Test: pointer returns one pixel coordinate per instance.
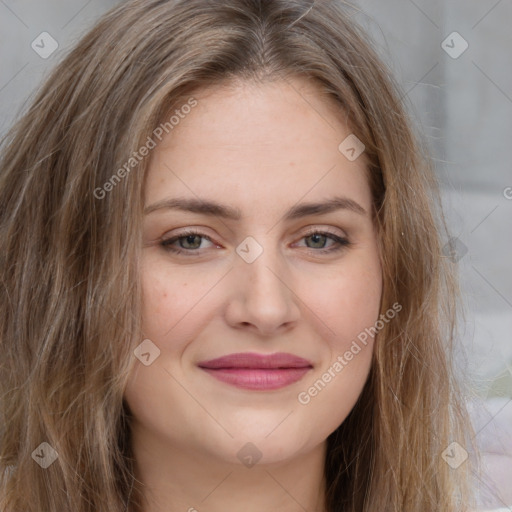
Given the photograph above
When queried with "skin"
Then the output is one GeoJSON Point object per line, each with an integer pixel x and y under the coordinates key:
{"type": "Point", "coordinates": [261, 149]}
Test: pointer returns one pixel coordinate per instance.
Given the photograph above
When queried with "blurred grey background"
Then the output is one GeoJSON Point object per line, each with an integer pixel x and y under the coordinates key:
{"type": "Point", "coordinates": [453, 60]}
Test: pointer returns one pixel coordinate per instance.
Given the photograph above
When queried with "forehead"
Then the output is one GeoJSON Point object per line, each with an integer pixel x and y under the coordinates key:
{"type": "Point", "coordinates": [258, 141]}
{"type": "Point", "coordinates": [262, 116]}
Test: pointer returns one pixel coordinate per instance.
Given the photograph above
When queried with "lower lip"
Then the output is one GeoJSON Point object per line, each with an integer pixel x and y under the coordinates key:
{"type": "Point", "coordinates": [258, 378]}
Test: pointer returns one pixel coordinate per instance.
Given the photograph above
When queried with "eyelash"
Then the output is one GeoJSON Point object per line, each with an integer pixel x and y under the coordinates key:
{"type": "Point", "coordinates": [341, 242]}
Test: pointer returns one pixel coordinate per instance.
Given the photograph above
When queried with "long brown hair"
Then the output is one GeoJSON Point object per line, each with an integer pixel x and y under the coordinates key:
{"type": "Point", "coordinates": [69, 274]}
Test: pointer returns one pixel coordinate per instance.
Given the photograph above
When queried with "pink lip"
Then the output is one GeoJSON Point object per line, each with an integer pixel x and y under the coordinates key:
{"type": "Point", "coordinates": [257, 371]}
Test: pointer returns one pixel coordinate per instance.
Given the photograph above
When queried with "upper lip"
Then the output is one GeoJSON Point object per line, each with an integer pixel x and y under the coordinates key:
{"type": "Point", "coordinates": [254, 360]}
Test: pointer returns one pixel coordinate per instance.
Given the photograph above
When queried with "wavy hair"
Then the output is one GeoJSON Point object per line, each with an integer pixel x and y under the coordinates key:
{"type": "Point", "coordinates": [70, 260]}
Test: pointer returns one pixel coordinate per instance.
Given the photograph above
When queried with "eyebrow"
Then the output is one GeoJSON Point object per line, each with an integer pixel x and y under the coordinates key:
{"type": "Point", "coordinates": [205, 207]}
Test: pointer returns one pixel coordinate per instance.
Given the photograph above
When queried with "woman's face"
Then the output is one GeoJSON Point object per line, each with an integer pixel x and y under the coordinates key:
{"type": "Point", "coordinates": [267, 273]}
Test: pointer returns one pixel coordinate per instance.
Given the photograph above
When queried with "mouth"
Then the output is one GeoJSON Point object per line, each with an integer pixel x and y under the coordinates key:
{"type": "Point", "coordinates": [257, 372]}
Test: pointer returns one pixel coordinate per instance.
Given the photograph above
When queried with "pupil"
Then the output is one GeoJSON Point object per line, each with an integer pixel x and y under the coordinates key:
{"type": "Point", "coordinates": [190, 240]}
{"type": "Point", "coordinates": [318, 239]}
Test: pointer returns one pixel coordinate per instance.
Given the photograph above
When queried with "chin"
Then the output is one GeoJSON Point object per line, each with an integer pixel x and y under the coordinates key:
{"type": "Point", "coordinates": [271, 443]}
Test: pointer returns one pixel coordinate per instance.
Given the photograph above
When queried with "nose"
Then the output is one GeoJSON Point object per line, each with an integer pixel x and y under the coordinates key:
{"type": "Point", "coordinates": [261, 295]}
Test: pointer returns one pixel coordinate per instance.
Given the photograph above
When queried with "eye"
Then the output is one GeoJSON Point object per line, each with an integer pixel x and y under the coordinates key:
{"type": "Point", "coordinates": [190, 242]}
{"type": "Point", "coordinates": [318, 240]}
{"type": "Point", "coordinates": [187, 242]}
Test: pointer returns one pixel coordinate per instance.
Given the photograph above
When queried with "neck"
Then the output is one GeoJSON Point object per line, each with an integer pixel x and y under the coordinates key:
{"type": "Point", "coordinates": [177, 479]}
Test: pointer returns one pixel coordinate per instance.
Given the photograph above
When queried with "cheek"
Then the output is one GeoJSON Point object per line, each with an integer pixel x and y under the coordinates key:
{"type": "Point", "coordinates": [332, 393]}
{"type": "Point", "coordinates": [169, 296]}
{"type": "Point", "coordinates": [348, 301]}
{"type": "Point", "coordinates": [159, 306]}
{"type": "Point", "coordinates": [347, 306]}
